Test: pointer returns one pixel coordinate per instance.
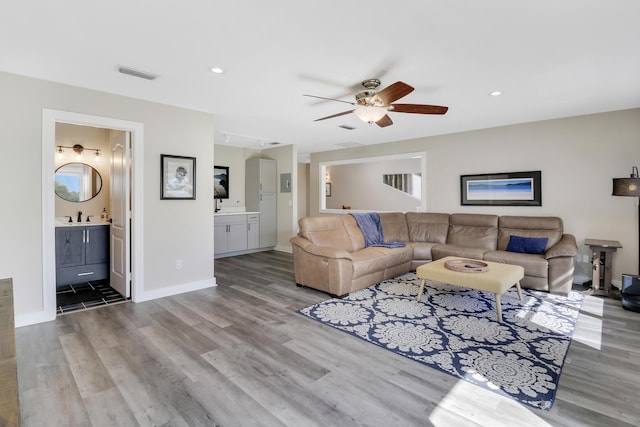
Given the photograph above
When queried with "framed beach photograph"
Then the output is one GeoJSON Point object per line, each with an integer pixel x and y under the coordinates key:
{"type": "Point", "coordinates": [221, 182]}
{"type": "Point", "coordinates": [501, 189]}
{"type": "Point", "coordinates": [177, 177]}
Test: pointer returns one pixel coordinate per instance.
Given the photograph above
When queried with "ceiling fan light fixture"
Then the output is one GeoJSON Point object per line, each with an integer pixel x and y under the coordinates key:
{"type": "Point", "coordinates": [370, 114]}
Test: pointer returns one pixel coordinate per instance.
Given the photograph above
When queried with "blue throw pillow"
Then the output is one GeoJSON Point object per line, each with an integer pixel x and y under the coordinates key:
{"type": "Point", "coordinates": [527, 245]}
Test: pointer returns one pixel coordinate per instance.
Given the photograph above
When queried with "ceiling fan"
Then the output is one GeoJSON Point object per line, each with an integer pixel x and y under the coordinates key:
{"type": "Point", "coordinates": [372, 105]}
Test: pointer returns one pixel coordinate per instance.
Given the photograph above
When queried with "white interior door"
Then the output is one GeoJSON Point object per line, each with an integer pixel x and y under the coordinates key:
{"type": "Point", "coordinates": [120, 276]}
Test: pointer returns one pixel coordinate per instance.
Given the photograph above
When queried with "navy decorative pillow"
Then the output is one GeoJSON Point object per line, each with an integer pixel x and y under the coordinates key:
{"type": "Point", "coordinates": [527, 245]}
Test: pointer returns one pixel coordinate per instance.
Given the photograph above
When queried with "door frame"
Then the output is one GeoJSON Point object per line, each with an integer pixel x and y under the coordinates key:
{"type": "Point", "coordinates": [136, 129]}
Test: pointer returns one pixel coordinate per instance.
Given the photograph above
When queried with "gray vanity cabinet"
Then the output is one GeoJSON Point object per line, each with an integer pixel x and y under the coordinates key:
{"type": "Point", "coordinates": [82, 254]}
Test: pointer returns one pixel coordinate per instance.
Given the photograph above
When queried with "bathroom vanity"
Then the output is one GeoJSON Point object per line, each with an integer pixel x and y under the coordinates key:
{"type": "Point", "coordinates": [82, 252]}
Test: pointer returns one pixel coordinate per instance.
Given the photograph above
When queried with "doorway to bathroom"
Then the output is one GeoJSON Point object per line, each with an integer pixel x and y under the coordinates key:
{"type": "Point", "coordinates": [91, 212]}
{"type": "Point", "coordinates": [119, 199]}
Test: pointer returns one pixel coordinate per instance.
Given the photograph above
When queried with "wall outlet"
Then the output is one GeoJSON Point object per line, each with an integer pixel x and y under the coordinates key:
{"type": "Point", "coordinates": [178, 264]}
{"type": "Point", "coordinates": [586, 258]}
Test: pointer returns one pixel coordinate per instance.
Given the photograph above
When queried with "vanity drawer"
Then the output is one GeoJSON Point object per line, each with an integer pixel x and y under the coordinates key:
{"type": "Point", "coordinates": [83, 273]}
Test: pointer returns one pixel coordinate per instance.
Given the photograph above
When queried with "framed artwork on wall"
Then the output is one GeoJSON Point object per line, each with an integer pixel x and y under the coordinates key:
{"type": "Point", "coordinates": [221, 182]}
{"type": "Point", "coordinates": [501, 189]}
{"type": "Point", "coordinates": [177, 177]}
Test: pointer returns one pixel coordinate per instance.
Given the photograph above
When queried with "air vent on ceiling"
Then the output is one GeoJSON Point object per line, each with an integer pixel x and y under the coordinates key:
{"type": "Point", "coordinates": [347, 127]}
{"type": "Point", "coordinates": [137, 73]}
{"type": "Point", "coordinates": [350, 144]}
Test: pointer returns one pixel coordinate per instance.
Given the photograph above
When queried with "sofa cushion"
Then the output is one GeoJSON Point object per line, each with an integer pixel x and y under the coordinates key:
{"type": "Point", "coordinates": [473, 230]}
{"type": "Point", "coordinates": [328, 230]}
{"type": "Point", "coordinates": [422, 250]}
{"type": "Point", "coordinates": [374, 258]}
{"type": "Point", "coordinates": [534, 265]}
{"type": "Point", "coordinates": [394, 227]}
{"type": "Point", "coordinates": [529, 226]}
{"type": "Point", "coordinates": [353, 231]}
{"type": "Point", "coordinates": [441, 251]}
{"type": "Point", "coordinates": [527, 245]}
{"type": "Point", "coordinates": [427, 227]}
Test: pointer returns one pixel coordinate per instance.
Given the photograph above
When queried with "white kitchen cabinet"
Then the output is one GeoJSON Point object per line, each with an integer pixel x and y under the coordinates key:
{"type": "Point", "coordinates": [261, 196]}
{"type": "Point", "coordinates": [229, 233]}
{"type": "Point", "coordinates": [236, 233]}
{"type": "Point", "coordinates": [253, 231]}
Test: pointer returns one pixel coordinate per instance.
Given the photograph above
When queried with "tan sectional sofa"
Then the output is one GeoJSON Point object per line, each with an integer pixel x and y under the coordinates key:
{"type": "Point", "coordinates": [329, 253]}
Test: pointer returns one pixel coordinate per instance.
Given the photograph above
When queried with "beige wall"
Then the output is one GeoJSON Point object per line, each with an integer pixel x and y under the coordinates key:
{"type": "Point", "coordinates": [172, 229]}
{"type": "Point", "coordinates": [578, 157]}
{"type": "Point", "coordinates": [303, 191]}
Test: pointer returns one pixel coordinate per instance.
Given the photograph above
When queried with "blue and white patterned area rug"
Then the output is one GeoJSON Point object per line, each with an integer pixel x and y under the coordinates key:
{"type": "Point", "coordinates": [455, 330]}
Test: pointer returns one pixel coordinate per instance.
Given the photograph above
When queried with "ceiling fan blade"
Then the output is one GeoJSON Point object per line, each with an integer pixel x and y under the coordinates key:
{"type": "Point", "coordinates": [330, 99]}
{"type": "Point", "coordinates": [385, 121]}
{"type": "Point", "coordinates": [392, 93]}
{"type": "Point", "coordinates": [419, 109]}
{"type": "Point", "coordinates": [334, 115]}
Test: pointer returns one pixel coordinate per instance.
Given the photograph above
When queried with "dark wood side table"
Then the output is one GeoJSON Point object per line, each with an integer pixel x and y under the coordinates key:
{"type": "Point", "coordinates": [602, 253]}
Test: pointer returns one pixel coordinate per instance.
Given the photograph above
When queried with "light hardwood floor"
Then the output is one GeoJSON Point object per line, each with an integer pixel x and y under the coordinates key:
{"type": "Point", "coordinates": [240, 355]}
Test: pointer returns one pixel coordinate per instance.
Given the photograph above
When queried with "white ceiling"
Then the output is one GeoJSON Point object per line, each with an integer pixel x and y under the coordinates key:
{"type": "Point", "coordinates": [550, 58]}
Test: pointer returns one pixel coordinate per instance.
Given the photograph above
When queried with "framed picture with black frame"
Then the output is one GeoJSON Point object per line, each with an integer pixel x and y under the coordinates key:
{"type": "Point", "coordinates": [221, 182]}
{"type": "Point", "coordinates": [177, 177]}
{"type": "Point", "coordinates": [501, 189]}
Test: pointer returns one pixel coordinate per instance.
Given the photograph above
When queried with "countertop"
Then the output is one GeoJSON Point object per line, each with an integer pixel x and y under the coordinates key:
{"type": "Point", "coordinates": [80, 224]}
{"type": "Point", "coordinates": [233, 213]}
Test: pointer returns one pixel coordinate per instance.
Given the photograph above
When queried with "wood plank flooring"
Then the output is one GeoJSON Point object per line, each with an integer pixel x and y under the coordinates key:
{"type": "Point", "coordinates": [240, 355]}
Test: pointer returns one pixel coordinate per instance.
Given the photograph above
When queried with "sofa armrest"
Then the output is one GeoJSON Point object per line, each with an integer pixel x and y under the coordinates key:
{"type": "Point", "coordinates": [322, 251]}
{"type": "Point", "coordinates": [567, 246]}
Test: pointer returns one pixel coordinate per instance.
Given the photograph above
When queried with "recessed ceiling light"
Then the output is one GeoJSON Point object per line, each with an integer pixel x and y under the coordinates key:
{"type": "Point", "coordinates": [496, 93]}
{"type": "Point", "coordinates": [216, 70]}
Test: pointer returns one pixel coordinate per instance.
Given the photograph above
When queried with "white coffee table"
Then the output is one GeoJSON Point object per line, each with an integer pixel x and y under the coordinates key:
{"type": "Point", "coordinates": [498, 279]}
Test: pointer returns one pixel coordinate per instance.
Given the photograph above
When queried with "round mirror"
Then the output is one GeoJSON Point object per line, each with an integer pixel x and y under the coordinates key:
{"type": "Point", "coordinates": [77, 182]}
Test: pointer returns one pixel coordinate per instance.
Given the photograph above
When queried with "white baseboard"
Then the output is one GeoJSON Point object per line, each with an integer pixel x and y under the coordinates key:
{"type": "Point", "coordinates": [175, 290]}
{"type": "Point", "coordinates": [286, 248]}
{"type": "Point", "coordinates": [43, 316]}
{"type": "Point", "coordinates": [33, 318]}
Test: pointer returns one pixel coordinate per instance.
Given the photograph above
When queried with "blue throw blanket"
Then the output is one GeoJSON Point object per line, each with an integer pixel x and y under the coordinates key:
{"type": "Point", "coordinates": [371, 228]}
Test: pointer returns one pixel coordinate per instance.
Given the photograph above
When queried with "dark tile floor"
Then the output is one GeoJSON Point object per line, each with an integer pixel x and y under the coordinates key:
{"type": "Point", "coordinates": [82, 296]}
